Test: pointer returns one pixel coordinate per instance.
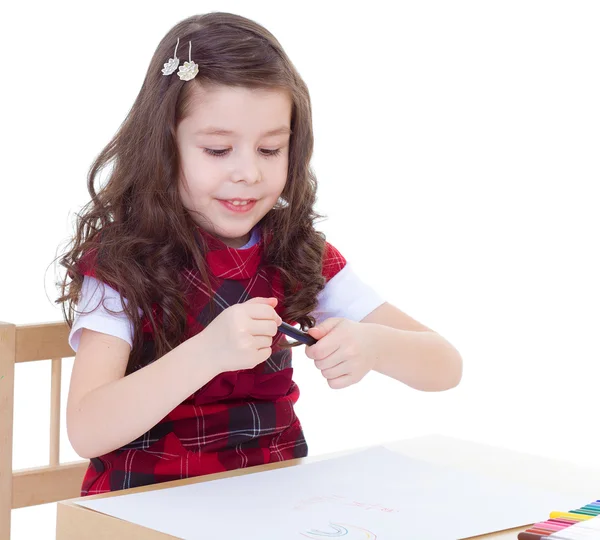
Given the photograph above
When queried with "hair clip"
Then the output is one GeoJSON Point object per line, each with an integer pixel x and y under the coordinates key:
{"type": "Point", "coordinates": [189, 69]}
{"type": "Point", "coordinates": [281, 204]}
{"type": "Point", "coordinates": [171, 65]}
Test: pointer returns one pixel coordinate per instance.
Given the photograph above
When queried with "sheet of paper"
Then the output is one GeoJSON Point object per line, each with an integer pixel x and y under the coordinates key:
{"type": "Point", "coordinates": [373, 494]}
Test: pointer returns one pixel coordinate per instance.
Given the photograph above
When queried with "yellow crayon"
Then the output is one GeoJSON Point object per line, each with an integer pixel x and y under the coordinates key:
{"type": "Point", "coordinates": [570, 515]}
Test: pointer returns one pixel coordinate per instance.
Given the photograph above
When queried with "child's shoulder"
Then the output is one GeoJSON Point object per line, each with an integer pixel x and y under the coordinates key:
{"type": "Point", "coordinates": [90, 265]}
{"type": "Point", "coordinates": [333, 261]}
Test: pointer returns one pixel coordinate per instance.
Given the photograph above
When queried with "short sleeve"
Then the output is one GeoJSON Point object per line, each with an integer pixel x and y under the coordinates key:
{"type": "Point", "coordinates": [345, 294]}
{"type": "Point", "coordinates": [96, 299]}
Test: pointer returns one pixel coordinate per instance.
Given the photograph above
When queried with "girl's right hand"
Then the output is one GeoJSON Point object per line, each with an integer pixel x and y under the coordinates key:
{"type": "Point", "coordinates": [240, 337]}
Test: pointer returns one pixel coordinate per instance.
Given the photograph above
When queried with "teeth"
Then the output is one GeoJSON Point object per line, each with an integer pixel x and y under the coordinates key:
{"type": "Point", "coordinates": [239, 203]}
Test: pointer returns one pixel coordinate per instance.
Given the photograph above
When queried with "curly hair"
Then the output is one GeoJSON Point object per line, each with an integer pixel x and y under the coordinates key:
{"type": "Point", "coordinates": [136, 225]}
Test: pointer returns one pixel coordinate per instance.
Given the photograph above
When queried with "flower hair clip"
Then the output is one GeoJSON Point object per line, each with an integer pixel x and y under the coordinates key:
{"type": "Point", "coordinates": [186, 72]}
{"type": "Point", "coordinates": [189, 69]}
{"type": "Point", "coordinates": [171, 65]}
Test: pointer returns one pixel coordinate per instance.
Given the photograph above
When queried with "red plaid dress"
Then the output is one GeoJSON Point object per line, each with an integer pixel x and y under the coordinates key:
{"type": "Point", "coordinates": [238, 419]}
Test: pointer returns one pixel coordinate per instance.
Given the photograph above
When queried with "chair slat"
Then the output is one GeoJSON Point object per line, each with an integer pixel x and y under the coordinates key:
{"type": "Point", "coordinates": [43, 485]}
{"type": "Point", "coordinates": [55, 387]}
{"type": "Point", "coordinates": [7, 391]}
{"type": "Point", "coordinates": [43, 342]}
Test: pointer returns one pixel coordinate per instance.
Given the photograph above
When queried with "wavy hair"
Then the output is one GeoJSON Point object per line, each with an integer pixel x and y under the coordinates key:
{"type": "Point", "coordinates": [136, 224]}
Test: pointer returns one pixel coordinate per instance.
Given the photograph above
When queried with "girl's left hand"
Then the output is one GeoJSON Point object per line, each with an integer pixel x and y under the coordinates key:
{"type": "Point", "coordinates": [346, 350]}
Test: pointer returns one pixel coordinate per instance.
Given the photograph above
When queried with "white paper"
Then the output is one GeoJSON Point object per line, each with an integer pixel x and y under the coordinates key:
{"type": "Point", "coordinates": [373, 494]}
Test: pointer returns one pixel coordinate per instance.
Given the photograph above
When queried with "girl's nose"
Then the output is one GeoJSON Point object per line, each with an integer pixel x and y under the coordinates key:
{"type": "Point", "coordinates": [247, 170]}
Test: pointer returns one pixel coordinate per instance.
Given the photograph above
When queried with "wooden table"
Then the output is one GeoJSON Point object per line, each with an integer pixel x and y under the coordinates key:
{"type": "Point", "coordinates": [76, 522]}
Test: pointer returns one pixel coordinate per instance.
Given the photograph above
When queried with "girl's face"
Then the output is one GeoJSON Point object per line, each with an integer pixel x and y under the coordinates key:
{"type": "Point", "coordinates": [233, 148]}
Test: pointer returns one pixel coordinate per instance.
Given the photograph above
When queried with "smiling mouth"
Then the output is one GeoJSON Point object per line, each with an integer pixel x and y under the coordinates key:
{"type": "Point", "coordinates": [238, 202]}
{"type": "Point", "coordinates": [238, 205]}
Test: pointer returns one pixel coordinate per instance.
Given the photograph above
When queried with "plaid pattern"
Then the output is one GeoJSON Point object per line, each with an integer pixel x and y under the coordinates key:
{"type": "Point", "coordinates": [238, 419]}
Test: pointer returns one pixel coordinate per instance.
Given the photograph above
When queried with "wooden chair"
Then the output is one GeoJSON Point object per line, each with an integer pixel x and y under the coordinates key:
{"type": "Point", "coordinates": [55, 481]}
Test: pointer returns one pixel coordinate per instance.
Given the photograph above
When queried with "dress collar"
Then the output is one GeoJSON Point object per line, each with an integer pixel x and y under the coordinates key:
{"type": "Point", "coordinates": [233, 263]}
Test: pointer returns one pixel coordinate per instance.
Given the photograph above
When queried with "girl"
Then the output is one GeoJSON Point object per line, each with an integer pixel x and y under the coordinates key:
{"type": "Point", "coordinates": [192, 254]}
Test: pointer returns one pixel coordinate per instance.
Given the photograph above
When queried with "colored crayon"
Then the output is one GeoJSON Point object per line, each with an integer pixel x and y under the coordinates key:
{"type": "Point", "coordinates": [551, 526]}
{"type": "Point", "coordinates": [590, 507]}
{"type": "Point", "coordinates": [585, 512]}
{"type": "Point", "coordinates": [563, 520]}
{"type": "Point", "coordinates": [570, 515]}
{"type": "Point", "coordinates": [535, 535]}
{"type": "Point", "coordinates": [540, 530]}
{"type": "Point", "coordinates": [530, 536]}
{"type": "Point", "coordinates": [296, 334]}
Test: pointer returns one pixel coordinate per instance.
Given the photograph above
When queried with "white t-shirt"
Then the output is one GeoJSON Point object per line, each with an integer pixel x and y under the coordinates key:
{"type": "Point", "coordinates": [345, 295]}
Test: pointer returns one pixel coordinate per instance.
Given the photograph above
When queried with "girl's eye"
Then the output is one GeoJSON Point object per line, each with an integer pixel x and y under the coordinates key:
{"type": "Point", "coordinates": [222, 153]}
{"type": "Point", "coordinates": [272, 153]}
{"type": "Point", "coordinates": [216, 153]}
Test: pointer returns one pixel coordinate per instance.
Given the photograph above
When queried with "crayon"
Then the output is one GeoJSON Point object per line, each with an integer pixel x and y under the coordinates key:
{"type": "Point", "coordinates": [530, 536]}
{"type": "Point", "coordinates": [590, 507]}
{"type": "Point", "coordinates": [550, 526]}
{"type": "Point", "coordinates": [540, 530]}
{"type": "Point", "coordinates": [585, 512]}
{"type": "Point", "coordinates": [563, 520]}
{"type": "Point", "coordinates": [298, 335]}
{"type": "Point", "coordinates": [570, 515]}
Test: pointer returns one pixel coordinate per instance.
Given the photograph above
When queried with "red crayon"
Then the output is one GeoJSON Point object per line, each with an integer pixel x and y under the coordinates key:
{"type": "Point", "coordinates": [538, 530]}
{"type": "Point", "coordinates": [553, 526]}
{"type": "Point", "coordinates": [544, 530]}
{"type": "Point", "coordinates": [530, 536]}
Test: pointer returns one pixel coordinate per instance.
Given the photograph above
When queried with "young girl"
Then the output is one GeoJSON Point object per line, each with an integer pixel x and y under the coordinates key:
{"type": "Point", "coordinates": [188, 259]}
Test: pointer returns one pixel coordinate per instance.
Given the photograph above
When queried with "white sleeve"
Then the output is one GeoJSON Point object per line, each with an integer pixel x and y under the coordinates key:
{"type": "Point", "coordinates": [92, 313]}
{"type": "Point", "coordinates": [346, 295]}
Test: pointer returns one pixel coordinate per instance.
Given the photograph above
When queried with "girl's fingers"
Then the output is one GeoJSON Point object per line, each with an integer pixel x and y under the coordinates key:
{"type": "Point", "coordinates": [263, 327]}
{"type": "Point", "coordinates": [261, 300]}
{"type": "Point", "coordinates": [262, 342]}
{"type": "Point", "coordinates": [335, 371]}
{"type": "Point", "coordinates": [340, 382]}
{"type": "Point", "coordinates": [263, 311]}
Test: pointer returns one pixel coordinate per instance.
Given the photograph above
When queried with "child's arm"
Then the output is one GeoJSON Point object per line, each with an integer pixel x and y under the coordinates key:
{"type": "Point", "coordinates": [106, 410]}
{"type": "Point", "coordinates": [411, 352]}
{"type": "Point", "coordinates": [388, 341]}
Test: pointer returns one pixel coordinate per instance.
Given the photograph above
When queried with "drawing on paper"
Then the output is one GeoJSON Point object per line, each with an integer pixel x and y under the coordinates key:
{"type": "Point", "coordinates": [345, 501]}
{"type": "Point", "coordinates": [341, 530]}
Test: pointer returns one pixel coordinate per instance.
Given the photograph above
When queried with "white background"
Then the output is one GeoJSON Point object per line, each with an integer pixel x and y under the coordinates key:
{"type": "Point", "coordinates": [457, 149]}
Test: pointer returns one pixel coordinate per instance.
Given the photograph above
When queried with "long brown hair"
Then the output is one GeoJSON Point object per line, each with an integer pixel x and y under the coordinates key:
{"type": "Point", "coordinates": [136, 224]}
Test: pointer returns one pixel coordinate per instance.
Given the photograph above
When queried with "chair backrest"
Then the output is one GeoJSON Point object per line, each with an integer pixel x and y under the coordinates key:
{"type": "Point", "coordinates": [55, 481]}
